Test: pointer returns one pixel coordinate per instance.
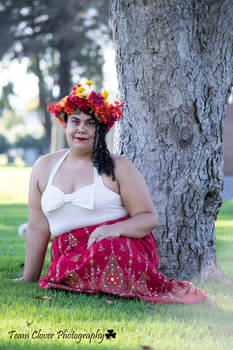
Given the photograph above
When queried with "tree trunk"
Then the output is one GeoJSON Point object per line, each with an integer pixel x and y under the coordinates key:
{"type": "Point", "coordinates": [64, 82]}
{"type": "Point", "coordinates": [174, 65]}
{"type": "Point", "coordinates": [43, 103]}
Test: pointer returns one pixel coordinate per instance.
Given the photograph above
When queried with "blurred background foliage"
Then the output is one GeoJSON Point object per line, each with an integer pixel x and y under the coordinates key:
{"type": "Point", "coordinates": [64, 41]}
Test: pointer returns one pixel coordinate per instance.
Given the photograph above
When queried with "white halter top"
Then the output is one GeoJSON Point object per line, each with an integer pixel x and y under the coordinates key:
{"type": "Point", "coordinates": [89, 205]}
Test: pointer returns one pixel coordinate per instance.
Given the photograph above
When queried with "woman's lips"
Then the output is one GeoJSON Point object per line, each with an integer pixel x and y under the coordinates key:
{"type": "Point", "coordinates": [80, 138]}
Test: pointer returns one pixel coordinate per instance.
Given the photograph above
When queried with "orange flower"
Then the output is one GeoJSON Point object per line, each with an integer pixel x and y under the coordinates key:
{"type": "Point", "coordinates": [88, 102]}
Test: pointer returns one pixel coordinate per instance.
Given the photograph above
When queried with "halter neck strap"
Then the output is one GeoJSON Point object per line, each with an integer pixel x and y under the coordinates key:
{"type": "Point", "coordinates": [97, 177]}
{"type": "Point", "coordinates": [56, 167]}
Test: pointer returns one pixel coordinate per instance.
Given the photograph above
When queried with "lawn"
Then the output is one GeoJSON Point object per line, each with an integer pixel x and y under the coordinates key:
{"type": "Point", "coordinates": [65, 320]}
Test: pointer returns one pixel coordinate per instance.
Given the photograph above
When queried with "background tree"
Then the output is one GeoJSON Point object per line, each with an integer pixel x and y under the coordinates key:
{"type": "Point", "coordinates": [69, 29]}
{"type": "Point", "coordinates": [175, 69]}
{"type": "Point", "coordinates": [6, 92]}
{"type": "Point", "coordinates": [4, 144]}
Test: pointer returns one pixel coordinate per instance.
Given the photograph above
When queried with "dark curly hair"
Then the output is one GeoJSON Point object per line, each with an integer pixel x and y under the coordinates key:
{"type": "Point", "coordinates": [101, 157]}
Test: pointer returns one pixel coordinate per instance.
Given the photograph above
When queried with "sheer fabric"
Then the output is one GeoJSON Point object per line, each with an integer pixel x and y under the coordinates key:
{"type": "Point", "coordinates": [122, 266]}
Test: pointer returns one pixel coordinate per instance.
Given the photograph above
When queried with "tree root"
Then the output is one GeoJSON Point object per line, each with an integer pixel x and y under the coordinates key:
{"type": "Point", "coordinates": [213, 272]}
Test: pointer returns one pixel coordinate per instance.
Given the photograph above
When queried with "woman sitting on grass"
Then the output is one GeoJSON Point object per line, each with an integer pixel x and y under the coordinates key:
{"type": "Point", "coordinates": [98, 207]}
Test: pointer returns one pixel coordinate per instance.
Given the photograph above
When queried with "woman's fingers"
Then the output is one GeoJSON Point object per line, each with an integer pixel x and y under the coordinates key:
{"type": "Point", "coordinates": [96, 236]}
{"type": "Point", "coordinates": [102, 232]}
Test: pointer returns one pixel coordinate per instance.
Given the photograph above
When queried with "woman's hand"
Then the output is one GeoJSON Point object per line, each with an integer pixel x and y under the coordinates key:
{"type": "Point", "coordinates": [102, 232]}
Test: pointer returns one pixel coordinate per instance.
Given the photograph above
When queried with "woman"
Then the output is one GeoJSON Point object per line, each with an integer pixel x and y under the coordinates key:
{"type": "Point", "coordinates": [98, 207]}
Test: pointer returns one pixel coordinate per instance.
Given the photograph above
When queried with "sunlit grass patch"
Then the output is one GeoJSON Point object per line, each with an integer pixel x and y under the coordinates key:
{"type": "Point", "coordinates": [224, 238]}
{"type": "Point", "coordinates": [14, 184]}
{"type": "Point", "coordinates": [224, 223]}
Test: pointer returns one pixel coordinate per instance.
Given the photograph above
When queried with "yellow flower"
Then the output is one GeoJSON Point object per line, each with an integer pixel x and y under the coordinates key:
{"type": "Point", "coordinates": [89, 82]}
{"type": "Point", "coordinates": [80, 89]}
{"type": "Point", "coordinates": [63, 102]}
{"type": "Point", "coordinates": [105, 94]}
{"type": "Point", "coordinates": [83, 94]}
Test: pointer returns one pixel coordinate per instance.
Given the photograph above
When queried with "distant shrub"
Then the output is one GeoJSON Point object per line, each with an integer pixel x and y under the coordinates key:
{"type": "Point", "coordinates": [28, 141]}
{"type": "Point", "coordinates": [4, 144]}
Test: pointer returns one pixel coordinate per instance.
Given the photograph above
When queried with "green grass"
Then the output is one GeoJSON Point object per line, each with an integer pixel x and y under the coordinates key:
{"type": "Point", "coordinates": [136, 323]}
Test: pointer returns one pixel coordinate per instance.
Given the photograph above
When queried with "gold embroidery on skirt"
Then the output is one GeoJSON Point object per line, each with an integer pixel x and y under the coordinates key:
{"type": "Point", "coordinates": [72, 240]}
{"type": "Point", "coordinates": [74, 280]}
{"type": "Point", "coordinates": [101, 248]}
{"type": "Point", "coordinates": [57, 269]}
{"type": "Point", "coordinates": [78, 256]}
{"type": "Point", "coordinates": [92, 284]}
{"type": "Point", "coordinates": [113, 279]}
{"type": "Point", "coordinates": [122, 248]}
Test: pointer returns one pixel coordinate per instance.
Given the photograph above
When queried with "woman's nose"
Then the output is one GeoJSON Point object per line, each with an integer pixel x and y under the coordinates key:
{"type": "Point", "coordinates": [82, 127]}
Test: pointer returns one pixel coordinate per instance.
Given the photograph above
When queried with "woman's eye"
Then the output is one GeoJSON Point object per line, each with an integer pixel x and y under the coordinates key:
{"type": "Point", "coordinates": [76, 122]}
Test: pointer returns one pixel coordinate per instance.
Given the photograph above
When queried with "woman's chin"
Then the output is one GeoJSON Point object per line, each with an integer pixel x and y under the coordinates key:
{"type": "Point", "coordinates": [76, 147]}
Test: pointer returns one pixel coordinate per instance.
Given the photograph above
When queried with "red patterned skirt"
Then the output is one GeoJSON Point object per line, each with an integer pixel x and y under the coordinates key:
{"type": "Point", "coordinates": [122, 266]}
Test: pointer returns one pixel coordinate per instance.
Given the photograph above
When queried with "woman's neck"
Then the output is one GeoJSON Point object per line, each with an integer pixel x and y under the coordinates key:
{"type": "Point", "coordinates": [81, 157]}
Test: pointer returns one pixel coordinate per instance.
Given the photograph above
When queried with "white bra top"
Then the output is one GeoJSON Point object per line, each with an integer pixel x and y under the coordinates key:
{"type": "Point", "coordinates": [89, 205]}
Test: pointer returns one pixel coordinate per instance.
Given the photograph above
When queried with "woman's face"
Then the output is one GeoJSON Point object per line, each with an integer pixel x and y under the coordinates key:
{"type": "Point", "coordinates": [80, 131]}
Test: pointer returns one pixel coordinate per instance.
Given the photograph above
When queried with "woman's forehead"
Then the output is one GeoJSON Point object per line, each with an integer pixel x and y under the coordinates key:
{"type": "Point", "coordinates": [81, 116]}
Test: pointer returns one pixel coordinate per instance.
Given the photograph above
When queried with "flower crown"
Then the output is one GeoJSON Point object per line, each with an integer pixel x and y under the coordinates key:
{"type": "Point", "coordinates": [89, 102]}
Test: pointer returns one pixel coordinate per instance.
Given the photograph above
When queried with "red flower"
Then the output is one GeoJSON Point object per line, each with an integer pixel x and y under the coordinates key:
{"type": "Point", "coordinates": [95, 104]}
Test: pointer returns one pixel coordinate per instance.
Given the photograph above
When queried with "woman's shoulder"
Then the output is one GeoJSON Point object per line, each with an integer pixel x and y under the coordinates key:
{"type": "Point", "coordinates": [49, 158]}
{"type": "Point", "coordinates": [118, 159]}
{"type": "Point", "coordinates": [122, 164]}
{"type": "Point", "coordinates": [43, 167]}
{"type": "Point", "coordinates": [45, 164]}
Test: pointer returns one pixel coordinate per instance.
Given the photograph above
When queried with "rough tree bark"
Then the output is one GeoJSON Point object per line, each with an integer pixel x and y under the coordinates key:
{"type": "Point", "coordinates": [175, 67]}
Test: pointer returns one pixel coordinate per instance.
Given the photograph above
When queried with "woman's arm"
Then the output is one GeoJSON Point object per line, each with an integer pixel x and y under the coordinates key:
{"type": "Point", "coordinates": [37, 235]}
{"type": "Point", "coordinates": [136, 199]}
